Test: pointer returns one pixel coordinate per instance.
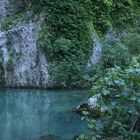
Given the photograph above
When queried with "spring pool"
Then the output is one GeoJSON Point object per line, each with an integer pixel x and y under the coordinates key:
{"type": "Point", "coordinates": [35, 114]}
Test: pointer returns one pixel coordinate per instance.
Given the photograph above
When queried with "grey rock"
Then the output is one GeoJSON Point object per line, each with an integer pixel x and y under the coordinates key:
{"type": "Point", "coordinates": [2, 9]}
{"type": "Point", "coordinates": [90, 103]}
{"type": "Point", "coordinates": [93, 101]}
{"type": "Point", "coordinates": [24, 63]}
{"type": "Point", "coordinates": [29, 66]}
{"type": "Point", "coordinates": [96, 51]}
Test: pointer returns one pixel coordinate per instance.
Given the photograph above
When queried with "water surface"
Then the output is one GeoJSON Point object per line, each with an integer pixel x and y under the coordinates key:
{"type": "Point", "coordinates": [32, 114]}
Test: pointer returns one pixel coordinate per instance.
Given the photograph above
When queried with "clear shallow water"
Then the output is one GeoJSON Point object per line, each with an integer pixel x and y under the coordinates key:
{"type": "Point", "coordinates": [31, 113]}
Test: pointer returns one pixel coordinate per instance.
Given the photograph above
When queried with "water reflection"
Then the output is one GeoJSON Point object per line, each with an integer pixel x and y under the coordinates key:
{"type": "Point", "coordinates": [30, 114]}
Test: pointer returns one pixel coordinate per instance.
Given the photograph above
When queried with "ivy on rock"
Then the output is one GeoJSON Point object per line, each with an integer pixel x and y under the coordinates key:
{"type": "Point", "coordinates": [66, 33]}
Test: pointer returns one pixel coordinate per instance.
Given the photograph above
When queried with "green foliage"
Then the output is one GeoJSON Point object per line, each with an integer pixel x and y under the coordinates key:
{"type": "Point", "coordinates": [60, 48]}
{"type": "Point", "coordinates": [122, 12]}
{"type": "Point", "coordinates": [114, 53]}
{"type": "Point", "coordinates": [119, 118]}
{"type": "Point", "coordinates": [11, 20]}
{"type": "Point", "coordinates": [101, 10]}
{"type": "Point", "coordinates": [66, 36]}
{"type": "Point", "coordinates": [132, 38]}
{"type": "Point", "coordinates": [73, 26]}
{"type": "Point", "coordinates": [132, 41]}
{"type": "Point", "coordinates": [67, 31]}
{"type": "Point", "coordinates": [68, 73]}
{"type": "Point", "coordinates": [108, 13]}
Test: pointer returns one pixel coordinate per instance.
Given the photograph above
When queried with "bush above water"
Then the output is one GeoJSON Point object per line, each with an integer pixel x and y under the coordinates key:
{"type": "Point", "coordinates": [114, 53]}
{"type": "Point", "coordinates": [119, 118]}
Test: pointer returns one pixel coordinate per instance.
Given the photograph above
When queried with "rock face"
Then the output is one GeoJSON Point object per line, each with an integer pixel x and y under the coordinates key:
{"type": "Point", "coordinates": [96, 51]}
{"type": "Point", "coordinates": [23, 62]}
{"type": "Point", "coordinates": [2, 9]}
{"type": "Point", "coordinates": [92, 101]}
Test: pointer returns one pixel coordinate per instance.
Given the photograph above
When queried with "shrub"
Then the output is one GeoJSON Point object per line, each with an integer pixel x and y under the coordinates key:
{"type": "Point", "coordinates": [120, 92]}
{"type": "Point", "coordinates": [114, 53]}
{"type": "Point", "coordinates": [108, 13]}
{"type": "Point", "coordinates": [68, 73]}
{"type": "Point", "coordinates": [61, 48]}
{"type": "Point", "coordinates": [132, 41]}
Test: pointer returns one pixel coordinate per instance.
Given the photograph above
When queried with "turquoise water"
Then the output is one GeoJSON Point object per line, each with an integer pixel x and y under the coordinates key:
{"type": "Point", "coordinates": [32, 114]}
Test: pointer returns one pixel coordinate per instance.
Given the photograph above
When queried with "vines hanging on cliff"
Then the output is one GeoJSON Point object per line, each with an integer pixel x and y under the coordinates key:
{"type": "Point", "coordinates": [66, 37]}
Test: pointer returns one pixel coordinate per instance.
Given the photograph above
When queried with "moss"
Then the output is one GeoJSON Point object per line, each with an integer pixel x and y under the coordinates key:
{"type": "Point", "coordinates": [37, 60]}
{"type": "Point", "coordinates": [0, 55]}
{"type": "Point", "coordinates": [2, 80]}
{"type": "Point", "coordinates": [20, 14]}
{"type": "Point", "coordinates": [9, 43]}
{"type": "Point", "coordinates": [9, 65]}
{"type": "Point", "coordinates": [11, 20]}
{"type": "Point", "coordinates": [11, 51]}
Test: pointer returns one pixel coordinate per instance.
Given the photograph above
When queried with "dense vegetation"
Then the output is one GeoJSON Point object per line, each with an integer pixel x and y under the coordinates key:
{"type": "Point", "coordinates": [66, 37]}
{"type": "Point", "coordinates": [67, 33]}
{"type": "Point", "coordinates": [117, 112]}
{"type": "Point", "coordinates": [117, 80]}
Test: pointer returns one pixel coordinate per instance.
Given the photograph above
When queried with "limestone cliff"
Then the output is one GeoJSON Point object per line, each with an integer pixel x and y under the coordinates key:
{"type": "Point", "coordinates": [23, 61]}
